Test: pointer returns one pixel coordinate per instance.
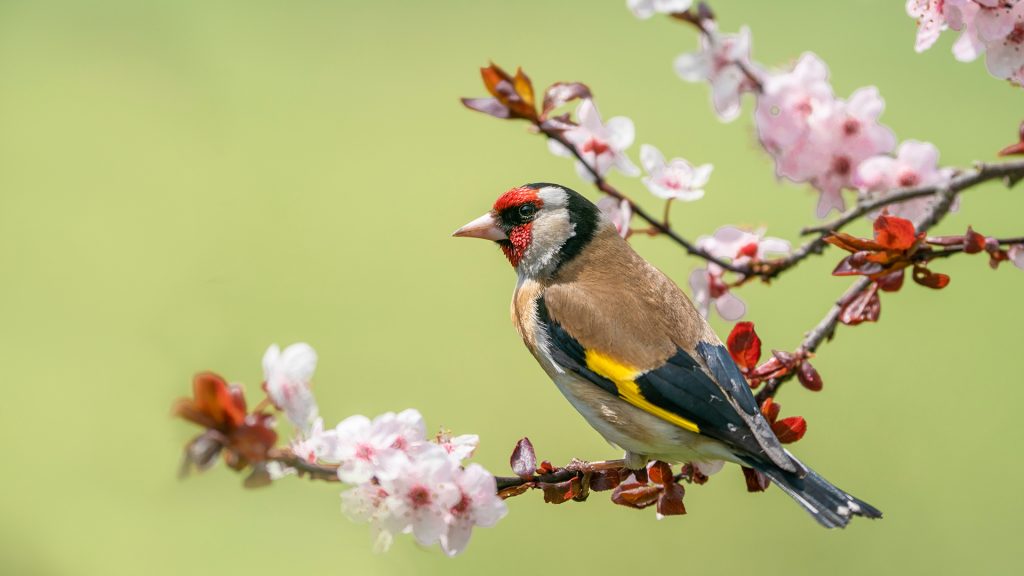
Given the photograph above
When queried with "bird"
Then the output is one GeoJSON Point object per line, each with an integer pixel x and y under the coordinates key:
{"type": "Point", "coordinates": [631, 352]}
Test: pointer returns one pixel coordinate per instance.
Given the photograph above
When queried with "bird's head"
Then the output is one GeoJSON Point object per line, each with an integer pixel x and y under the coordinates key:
{"type": "Point", "coordinates": [539, 227]}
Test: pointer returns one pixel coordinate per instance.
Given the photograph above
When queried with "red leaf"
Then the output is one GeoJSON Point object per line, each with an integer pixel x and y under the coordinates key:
{"type": "Point", "coordinates": [790, 429]}
{"type": "Point", "coordinates": [770, 409]}
{"type": "Point", "coordinates": [670, 501]}
{"type": "Point", "coordinates": [523, 460]}
{"type": "Point", "coordinates": [1017, 147]}
{"type": "Point", "coordinates": [894, 233]}
{"type": "Point", "coordinates": [891, 282]}
{"type": "Point", "coordinates": [926, 277]}
{"type": "Point", "coordinates": [660, 472]}
{"type": "Point", "coordinates": [546, 467]}
{"type": "Point", "coordinates": [515, 93]}
{"type": "Point", "coordinates": [756, 482]}
{"type": "Point", "coordinates": [561, 93]}
{"type": "Point", "coordinates": [605, 480]}
{"type": "Point", "coordinates": [809, 377]}
{"type": "Point", "coordinates": [744, 346]}
{"type": "Point", "coordinates": [253, 439]}
{"type": "Point", "coordinates": [636, 495]}
{"type": "Point", "coordinates": [851, 243]}
{"type": "Point", "coordinates": [488, 106]}
{"type": "Point", "coordinates": [560, 492]}
{"type": "Point", "coordinates": [865, 307]}
{"type": "Point", "coordinates": [213, 404]}
{"type": "Point", "coordinates": [973, 242]}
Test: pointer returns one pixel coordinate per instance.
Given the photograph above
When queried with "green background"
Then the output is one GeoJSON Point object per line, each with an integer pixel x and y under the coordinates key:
{"type": "Point", "coordinates": [183, 183]}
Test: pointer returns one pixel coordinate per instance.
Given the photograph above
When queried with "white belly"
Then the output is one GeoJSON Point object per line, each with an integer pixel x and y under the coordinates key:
{"type": "Point", "coordinates": [631, 428]}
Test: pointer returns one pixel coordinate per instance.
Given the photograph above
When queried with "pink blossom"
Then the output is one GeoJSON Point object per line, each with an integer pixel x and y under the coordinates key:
{"type": "Point", "coordinates": [458, 448]}
{"type": "Point", "coordinates": [675, 180]}
{"type": "Point", "coordinates": [708, 287]}
{"type": "Point", "coordinates": [644, 9]}
{"type": "Point", "coordinates": [992, 27]}
{"type": "Point", "coordinates": [1016, 255]}
{"type": "Point", "coordinates": [742, 246]}
{"type": "Point", "coordinates": [788, 101]}
{"type": "Point", "coordinates": [620, 212]}
{"type": "Point", "coordinates": [1005, 53]}
{"type": "Point", "coordinates": [930, 21]}
{"type": "Point", "coordinates": [365, 503]}
{"type": "Point", "coordinates": [286, 380]}
{"type": "Point", "coordinates": [420, 496]}
{"type": "Point", "coordinates": [716, 63]}
{"type": "Point", "coordinates": [313, 444]}
{"type": "Point", "coordinates": [364, 449]}
{"type": "Point", "coordinates": [478, 505]}
{"type": "Point", "coordinates": [601, 145]}
{"type": "Point", "coordinates": [840, 135]}
{"type": "Point", "coordinates": [915, 164]}
{"type": "Point", "coordinates": [739, 246]}
{"type": "Point", "coordinates": [408, 428]}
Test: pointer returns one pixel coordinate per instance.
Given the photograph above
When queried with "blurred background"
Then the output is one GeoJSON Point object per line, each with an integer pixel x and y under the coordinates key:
{"type": "Point", "coordinates": [183, 183]}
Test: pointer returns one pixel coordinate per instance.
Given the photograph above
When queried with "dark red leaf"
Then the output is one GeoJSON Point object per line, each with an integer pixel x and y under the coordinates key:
{"type": "Point", "coordinates": [514, 490]}
{"type": "Point", "coordinates": [891, 282]}
{"type": "Point", "coordinates": [660, 472]}
{"type": "Point", "coordinates": [253, 439]}
{"type": "Point", "coordinates": [790, 429]}
{"type": "Point", "coordinates": [561, 93]}
{"type": "Point", "coordinates": [756, 482]}
{"type": "Point", "coordinates": [852, 243]}
{"type": "Point", "coordinates": [771, 368]}
{"type": "Point", "coordinates": [926, 277]}
{"type": "Point", "coordinates": [865, 307]}
{"type": "Point", "coordinates": [894, 233]}
{"type": "Point", "coordinates": [670, 501]}
{"type": "Point", "coordinates": [973, 242]}
{"type": "Point", "coordinates": [523, 460]}
{"type": "Point", "coordinates": [1017, 147]}
{"type": "Point", "coordinates": [809, 377]}
{"type": "Point", "coordinates": [213, 405]}
{"type": "Point", "coordinates": [636, 495]}
{"type": "Point", "coordinates": [560, 492]}
{"type": "Point", "coordinates": [515, 93]}
{"type": "Point", "coordinates": [605, 480]}
{"type": "Point", "coordinates": [546, 467]}
{"type": "Point", "coordinates": [770, 410]}
{"type": "Point", "coordinates": [488, 106]}
{"type": "Point", "coordinates": [693, 473]}
{"type": "Point", "coordinates": [744, 345]}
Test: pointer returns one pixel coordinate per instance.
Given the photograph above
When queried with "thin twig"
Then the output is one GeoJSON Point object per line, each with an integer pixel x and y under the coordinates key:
{"type": "Point", "coordinates": [983, 173]}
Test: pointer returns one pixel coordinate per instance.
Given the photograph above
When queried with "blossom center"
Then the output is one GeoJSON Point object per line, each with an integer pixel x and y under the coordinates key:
{"type": "Point", "coordinates": [596, 146]}
{"type": "Point", "coordinates": [462, 506]}
{"type": "Point", "coordinates": [749, 250]}
{"type": "Point", "coordinates": [365, 452]}
{"type": "Point", "coordinates": [716, 288]}
{"type": "Point", "coordinates": [851, 127]}
{"type": "Point", "coordinates": [841, 165]}
{"type": "Point", "coordinates": [419, 496]}
{"type": "Point", "coordinates": [908, 179]}
{"type": "Point", "coordinates": [1016, 36]}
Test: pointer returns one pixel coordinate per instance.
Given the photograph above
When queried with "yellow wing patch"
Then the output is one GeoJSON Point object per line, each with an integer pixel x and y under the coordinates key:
{"type": "Point", "coordinates": [624, 377]}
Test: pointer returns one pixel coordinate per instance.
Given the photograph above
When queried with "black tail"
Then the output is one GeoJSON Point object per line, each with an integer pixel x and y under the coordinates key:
{"type": "Point", "coordinates": [829, 505]}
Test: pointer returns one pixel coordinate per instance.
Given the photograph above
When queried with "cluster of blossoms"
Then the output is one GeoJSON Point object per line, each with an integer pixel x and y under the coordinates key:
{"type": "Point", "coordinates": [991, 27]}
{"type": "Point", "coordinates": [401, 481]}
{"type": "Point", "coordinates": [739, 246]}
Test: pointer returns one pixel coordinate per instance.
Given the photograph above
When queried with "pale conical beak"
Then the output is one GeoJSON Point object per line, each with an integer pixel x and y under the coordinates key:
{"type": "Point", "coordinates": [485, 227]}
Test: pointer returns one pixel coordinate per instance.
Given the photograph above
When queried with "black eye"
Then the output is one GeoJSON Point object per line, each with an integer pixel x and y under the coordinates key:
{"type": "Point", "coordinates": [526, 211]}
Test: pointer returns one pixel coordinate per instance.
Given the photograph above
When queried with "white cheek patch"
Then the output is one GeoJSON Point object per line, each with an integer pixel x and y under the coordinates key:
{"type": "Point", "coordinates": [550, 232]}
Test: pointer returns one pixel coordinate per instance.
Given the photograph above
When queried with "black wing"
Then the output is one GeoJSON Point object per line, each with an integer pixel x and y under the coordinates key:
{"type": "Point", "coordinates": [724, 410]}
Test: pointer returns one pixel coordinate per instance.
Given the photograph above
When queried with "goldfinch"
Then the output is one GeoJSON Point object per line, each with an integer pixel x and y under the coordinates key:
{"type": "Point", "coordinates": [630, 351]}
